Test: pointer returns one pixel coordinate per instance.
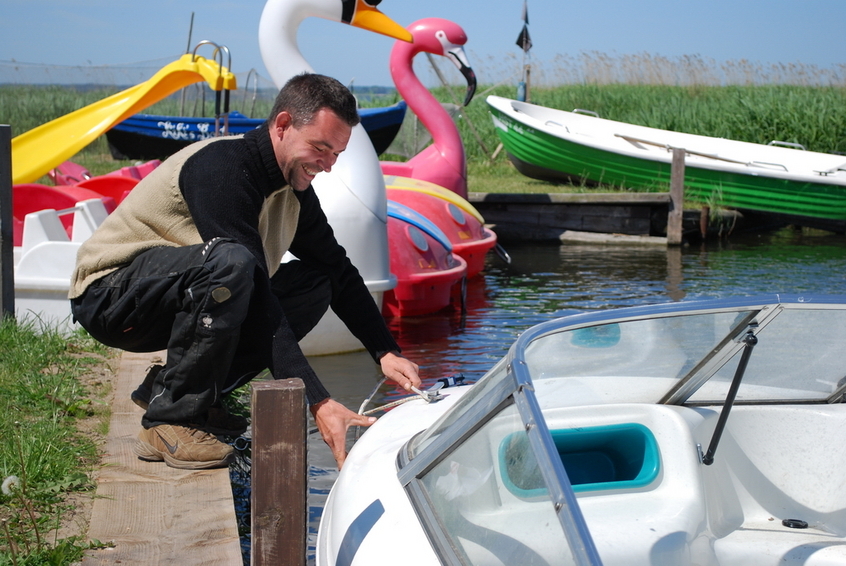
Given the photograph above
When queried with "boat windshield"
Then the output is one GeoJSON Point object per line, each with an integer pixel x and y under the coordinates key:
{"type": "Point", "coordinates": [492, 501]}
{"type": "Point", "coordinates": [491, 472]}
{"type": "Point", "coordinates": [629, 361]}
{"type": "Point", "coordinates": [676, 358]}
{"type": "Point", "coordinates": [487, 383]}
{"type": "Point", "coordinates": [800, 356]}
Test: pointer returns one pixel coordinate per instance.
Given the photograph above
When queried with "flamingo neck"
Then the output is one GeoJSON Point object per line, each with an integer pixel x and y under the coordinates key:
{"type": "Point", "coordinates": [425, 106]}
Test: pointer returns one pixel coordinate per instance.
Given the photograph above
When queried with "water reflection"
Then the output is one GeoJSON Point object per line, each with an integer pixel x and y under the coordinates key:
{"type": "Point", "coordinates": [544, 282]}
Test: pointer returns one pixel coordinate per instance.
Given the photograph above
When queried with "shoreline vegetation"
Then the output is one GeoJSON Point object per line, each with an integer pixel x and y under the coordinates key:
{"type": "Point", "coordinates": [54, 412]}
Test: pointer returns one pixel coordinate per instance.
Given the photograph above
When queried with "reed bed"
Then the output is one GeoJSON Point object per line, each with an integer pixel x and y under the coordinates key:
{"type": "Point", "coordinates": [593, 67]}
{"type": "Point", "coordinates": [739, 99]}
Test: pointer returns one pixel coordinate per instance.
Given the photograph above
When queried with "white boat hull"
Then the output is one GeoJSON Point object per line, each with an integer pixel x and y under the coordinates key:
{"type": "Point", "coordinates": [435, 488]}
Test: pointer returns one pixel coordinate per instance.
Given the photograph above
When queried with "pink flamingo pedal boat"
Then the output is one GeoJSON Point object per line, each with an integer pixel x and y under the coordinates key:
{"type": "Point", "coordinates": [434, 182]}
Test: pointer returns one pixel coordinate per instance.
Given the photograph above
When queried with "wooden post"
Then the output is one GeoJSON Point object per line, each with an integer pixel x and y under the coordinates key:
{"type": "Point", "coordinates": [279, 474]}
{"type": "Point", "coordinates": [704, 215]}
{"type": "Point", "coordinates": [674, 219]}
{"type": "Point", "coordinates": [7, 265]}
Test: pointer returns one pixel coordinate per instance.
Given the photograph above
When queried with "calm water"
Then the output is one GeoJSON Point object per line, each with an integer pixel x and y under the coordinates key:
{"type": "Point", "coordinates": [547, 281]}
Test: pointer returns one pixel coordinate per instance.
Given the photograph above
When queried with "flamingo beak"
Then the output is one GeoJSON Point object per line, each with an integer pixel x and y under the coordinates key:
{"type": "Point", "coordinates": [364, 14]}
{"type": "Point", "coordinates": [455, 53]}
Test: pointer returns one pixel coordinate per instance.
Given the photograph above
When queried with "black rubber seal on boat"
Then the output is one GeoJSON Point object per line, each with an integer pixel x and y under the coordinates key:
{"type": "Point", "coordinates": [795, 523]}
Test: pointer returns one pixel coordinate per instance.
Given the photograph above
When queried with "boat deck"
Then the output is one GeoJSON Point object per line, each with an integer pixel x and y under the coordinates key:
{"type": "Point", "coordinates": [149, 512]}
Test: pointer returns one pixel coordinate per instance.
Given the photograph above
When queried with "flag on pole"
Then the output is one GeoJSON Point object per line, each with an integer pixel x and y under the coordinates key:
{"type": "Point", "coordinates": [523, 40]}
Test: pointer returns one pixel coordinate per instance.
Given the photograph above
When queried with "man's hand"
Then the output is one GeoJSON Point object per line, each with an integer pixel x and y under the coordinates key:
{"type": "Point", "coordinates": [333, 420]}
{"type": "Point", "coordinates": [400, 370]}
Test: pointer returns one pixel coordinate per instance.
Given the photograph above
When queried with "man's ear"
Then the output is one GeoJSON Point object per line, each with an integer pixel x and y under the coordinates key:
{"type": "Point", "coordinates": [282, 123]}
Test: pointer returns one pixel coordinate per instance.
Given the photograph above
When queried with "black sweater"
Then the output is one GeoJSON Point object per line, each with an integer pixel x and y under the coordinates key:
{"type": "Point", "coordinates": [231, 209]}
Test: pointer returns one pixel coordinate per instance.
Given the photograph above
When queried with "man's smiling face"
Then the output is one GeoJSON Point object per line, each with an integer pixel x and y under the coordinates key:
{"type": "Point", "coordinates": [310, 149]}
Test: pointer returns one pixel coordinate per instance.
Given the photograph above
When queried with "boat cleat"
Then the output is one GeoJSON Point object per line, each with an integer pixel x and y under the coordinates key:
{"type": "Point", "coordinates": [430, 395]}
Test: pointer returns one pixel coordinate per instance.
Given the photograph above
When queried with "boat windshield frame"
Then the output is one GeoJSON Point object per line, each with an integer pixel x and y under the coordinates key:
{"type": "Point", "coordinates": [509, 383]}
{"type": "Point", "coordinates": [513, 388]}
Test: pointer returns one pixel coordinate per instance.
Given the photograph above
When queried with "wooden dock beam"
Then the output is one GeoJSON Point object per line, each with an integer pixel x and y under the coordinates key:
{"type": "Point", "coordinates": [279, 508]}
{"type": "Point", "coordinates": [545, 216]}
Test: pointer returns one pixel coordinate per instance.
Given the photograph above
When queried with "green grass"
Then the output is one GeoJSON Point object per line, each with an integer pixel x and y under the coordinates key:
{"type": "Point", "coordinates": [42, 403]}
{"type": "Point", "coordinates": [500, 176]}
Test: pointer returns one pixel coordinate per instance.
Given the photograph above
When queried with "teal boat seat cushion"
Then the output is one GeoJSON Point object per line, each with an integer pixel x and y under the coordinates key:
{"type": "Point", "coordinates": [610, 457]}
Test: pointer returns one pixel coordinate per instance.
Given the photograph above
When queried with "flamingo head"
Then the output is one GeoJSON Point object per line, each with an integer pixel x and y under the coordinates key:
{"type": "Point", "coordinates": [443, 37]}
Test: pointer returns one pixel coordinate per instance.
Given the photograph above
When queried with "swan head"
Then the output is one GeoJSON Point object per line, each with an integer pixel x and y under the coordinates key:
{"type": "Point", "coordinates": [365, 15]}
{"type": "Point", "coordinates": [280, 20]}
{"type": "Point", "coordinates": [443, 37]}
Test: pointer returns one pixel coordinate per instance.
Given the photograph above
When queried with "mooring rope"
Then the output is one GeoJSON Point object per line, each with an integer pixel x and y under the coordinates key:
{"type": "Point", "coordinates": [370, 397]}
{"type": "Point", "coordinates": [392, 404]}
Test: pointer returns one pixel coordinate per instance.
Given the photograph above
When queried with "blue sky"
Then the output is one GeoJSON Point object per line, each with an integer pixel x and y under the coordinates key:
{"type": "Point", "coordinates": [109, 32]}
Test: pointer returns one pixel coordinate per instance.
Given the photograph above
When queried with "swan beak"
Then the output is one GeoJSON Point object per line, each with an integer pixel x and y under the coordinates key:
{"type": "Point", "coordinates": [456, 54]}
{"type": "Point", "coordinates": [364, 14]}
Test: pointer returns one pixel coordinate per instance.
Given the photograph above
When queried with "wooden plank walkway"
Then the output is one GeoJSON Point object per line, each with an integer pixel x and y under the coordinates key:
{"type": "Point", "coordinates": [152, 513]}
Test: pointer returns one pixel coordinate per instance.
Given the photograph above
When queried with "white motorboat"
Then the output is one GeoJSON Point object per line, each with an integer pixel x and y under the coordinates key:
{"type": "Point", "coordinates": [704, 432]}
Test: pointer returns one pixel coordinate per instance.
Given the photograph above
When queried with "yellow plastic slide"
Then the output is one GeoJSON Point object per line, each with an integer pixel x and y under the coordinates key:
{"type": "Point", "coordinates": [37, 151]}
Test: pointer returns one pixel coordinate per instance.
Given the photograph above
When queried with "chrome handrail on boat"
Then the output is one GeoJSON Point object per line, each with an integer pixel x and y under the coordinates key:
{"type": "Point", "coordinates": [788, 144]}
{"type": "Point", "coordinates": [832, 171]}
{"type": "Point", "coordinates": [218, 49]}
{"type": "Point", "coordinates": [554, 123]}
{"type": "Point", "coordinates": [766, 164]}
{"type": "Point", "coordinates": [586, 112]}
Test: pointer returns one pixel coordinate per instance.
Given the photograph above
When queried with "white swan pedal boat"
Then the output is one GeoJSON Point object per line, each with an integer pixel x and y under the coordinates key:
{"type": "Point", "coordinates": [704, 432]}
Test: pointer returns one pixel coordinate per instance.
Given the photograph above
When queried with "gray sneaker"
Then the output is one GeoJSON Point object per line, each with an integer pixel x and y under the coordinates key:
{"type": "Point", "coordinates": [183, 447]}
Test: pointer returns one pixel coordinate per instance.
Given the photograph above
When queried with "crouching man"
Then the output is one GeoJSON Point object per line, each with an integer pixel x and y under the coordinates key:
{"type": "Point", "coordinates": [190, 262]}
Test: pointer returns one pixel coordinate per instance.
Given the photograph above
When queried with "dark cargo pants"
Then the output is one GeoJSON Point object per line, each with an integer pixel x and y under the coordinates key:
{"type": "Point", "coordinates": [211, 306]}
